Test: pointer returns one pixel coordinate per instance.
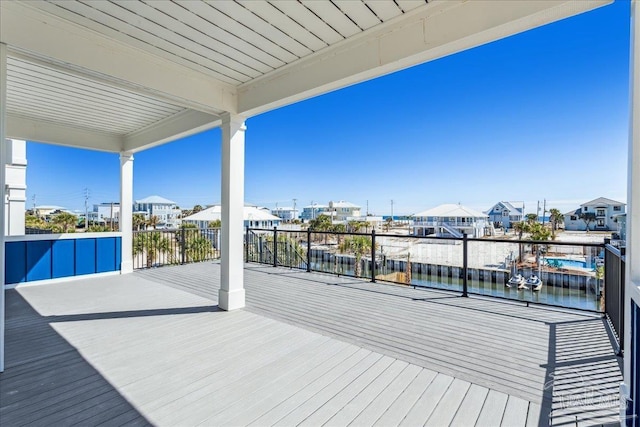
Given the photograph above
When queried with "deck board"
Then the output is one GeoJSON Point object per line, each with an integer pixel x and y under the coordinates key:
{"type": "Point", "coordinates": [312, 349]}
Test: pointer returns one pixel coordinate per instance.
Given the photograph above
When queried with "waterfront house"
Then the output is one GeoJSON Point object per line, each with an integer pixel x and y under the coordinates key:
{"type": "Point", "coordinates": [285, 213]}
{"type": "Point", "coordinates": [253, 216]}
{"type": "Point", "coordinates": [450, 220]}
{"type": "Point", "coordinates": [105, 212]}
{"type": "Point", "coordinates": [603, 210]}
{"type": "Point", "coordinates": [504, 214]}
{"type": "Point", "coordinates": [342, 211]}
{"type": "Point", "coordinates": [165, 210]}
{"type": "Point", "coordinates": [312, 211]}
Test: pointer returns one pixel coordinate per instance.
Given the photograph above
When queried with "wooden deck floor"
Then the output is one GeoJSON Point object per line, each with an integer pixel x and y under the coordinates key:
{"type": "Point", "coordinates": [309, 349]}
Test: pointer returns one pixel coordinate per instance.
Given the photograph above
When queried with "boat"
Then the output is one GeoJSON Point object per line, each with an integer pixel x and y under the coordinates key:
{"type": "Point", "coordinates": [516, 280]}
{"type": "Point", "coordinates": [534, 283]}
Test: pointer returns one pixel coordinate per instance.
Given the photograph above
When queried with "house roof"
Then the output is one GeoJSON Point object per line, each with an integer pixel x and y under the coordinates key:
{"type": "Point", "coordinates": [343, 204]}
{"type": "Point", "coordinates": [507, 205]}
{"type": "Point", "coordinates": [316, 206]}
{"type": "Point", "coordinates": [251, 213]}
{"type": "Point", "coordinates": [451, 210]}
{"type": "Point", "coordinates": [51, 207]}
{"type": "Point", "coordinates": [602, 201]}
{"type": "Point", "coordinates": [574, 212]}
{"type": "Point", "coordinates": [156, 200]}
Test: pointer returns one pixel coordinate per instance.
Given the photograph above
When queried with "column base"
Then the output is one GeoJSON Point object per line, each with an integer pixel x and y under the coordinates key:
{"type": "Point", "coordinates": [231, 300]}
{"type": "Point", "coordinates": [126, 267]}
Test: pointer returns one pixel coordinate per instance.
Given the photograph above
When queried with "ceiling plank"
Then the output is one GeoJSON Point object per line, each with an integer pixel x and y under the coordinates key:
{"type": "Point", "coordinates": [61, 42]}
{"type": "Point", "coordinates": [438, 29]}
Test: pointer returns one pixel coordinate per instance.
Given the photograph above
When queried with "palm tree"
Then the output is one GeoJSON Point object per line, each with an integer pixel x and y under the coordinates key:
{"type": "Point", "coordinates": [357, 245]}
{"type": "Point", "coordinates": [196, 209]}
{"type": "Point", "coordinates": [66, 221]}
{"type": "Point", "coordinates": [138, 221]}
{"type": "Point", "coordinates": [354, 226]}
{"type": "Point", "coordinates": [198, 248]}
{"type": "Point", "coordinates": [556, 219]}
{"type": "Point", "coordinates": [531, 218]}
{"type": "Point", "coordinates": [215, 224]}
{"type": "Point", "coordinates": [153, 221]}
{"type": "Point", "coordinates": [153, 244]}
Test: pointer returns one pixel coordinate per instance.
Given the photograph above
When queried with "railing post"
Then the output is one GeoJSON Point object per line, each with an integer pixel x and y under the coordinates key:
{"type": "Point", "coordinates": [464, 266]}
{"type": "Point", "coordinates": [308, 250]}
{"type": "Point", "coordinates": [183, 245]}
{"type": "Point", "coordinates": [373, 255]}
{"type": "Point", "coordinates": [260, 254]}
{"type": "Point", "coordinates": [246, 245]}
{"type": "Point", "coordinates": [275, 246]}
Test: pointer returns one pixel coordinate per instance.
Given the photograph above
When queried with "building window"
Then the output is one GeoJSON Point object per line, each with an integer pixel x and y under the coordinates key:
{"type": "Point", "coordinates": [505, 213]}
{"type": "Point", "coordinates": [600, 212]}
{"type": "Point", "coordinates": [600, 223]}
{"type": "Point", "coordinates": [584, 209]}
{"type": "Point", "coordinates": [574, 218]}
{"type": "Point", "coordinates": [617, 208]}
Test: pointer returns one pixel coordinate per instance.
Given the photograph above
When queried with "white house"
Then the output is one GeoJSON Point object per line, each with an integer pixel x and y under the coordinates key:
{"type": "Point", "coordinates": [253, 217]}
{"type": "Point", "coordinates": [109, 212]}
{"type": "Point", "coordinates": [285, 213]}
{"type": "Point", "coordinates": [342, 211]}
{"type": "Point", "coordinates": [604, 214]}
{"type": "Point", "coordinates": [451, 220]}
{"type": "Point", "coordinates": [166, 210]}
{"type": "Point", "coordinates": [312, 211]}
{"type": "Point", "coordinates": [504, 214]}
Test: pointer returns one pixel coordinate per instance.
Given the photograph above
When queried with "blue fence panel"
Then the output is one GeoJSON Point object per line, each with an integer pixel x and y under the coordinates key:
{"type": "Point", "coordinates": [38, 260]}
{"type": "Point", "coordinates": [63, 256]}
{"type": "Point", "coordinates": [48, 259]}
{"type": "Point", "coordinates": [106, 254]}
{"type": "Point", "coordinates": [15, 259]}
{"type": "Point", "coordinates": [85, 256]}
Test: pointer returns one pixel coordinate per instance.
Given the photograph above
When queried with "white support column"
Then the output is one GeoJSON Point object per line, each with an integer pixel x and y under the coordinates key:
{"type": "Point", "coordinates": [16, 187]}
{"type": "Point", "coordinates": [632, 272]}
{"type": "Point", "coordinates": [231, 295]}
{"type": "Point", "coordinates": [126, 211]}
{"type": "Point", "coordinates": [3, 161]}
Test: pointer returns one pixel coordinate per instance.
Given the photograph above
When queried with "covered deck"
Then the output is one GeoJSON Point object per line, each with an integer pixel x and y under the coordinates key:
{"type": "Point", "coordinates": [152, 347]}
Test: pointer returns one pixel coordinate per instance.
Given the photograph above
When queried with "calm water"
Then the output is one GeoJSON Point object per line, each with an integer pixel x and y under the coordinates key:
{"type": "Point", "coordinates": [570, 297]}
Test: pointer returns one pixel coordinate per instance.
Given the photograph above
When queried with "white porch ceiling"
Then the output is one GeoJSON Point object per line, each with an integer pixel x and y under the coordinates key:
{"type": "Point", "coordinates": [124, 75]}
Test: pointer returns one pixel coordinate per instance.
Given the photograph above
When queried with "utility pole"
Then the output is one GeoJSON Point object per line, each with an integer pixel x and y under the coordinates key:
{"type": "Point", "coordinates": [538, 211]}
{"type": "Point", "coordinates": [294, 209]}
{"type": "Point", "coordinates": [111, 217]}
{"type": "Point", "coordinates": [86, 209]}
{"type": "Point", "coordinates": [544, 210]}
{"type": "Point", "coordinates": [391, 210]}
{"type": "Point", "coordinates": [34, 205]}
{"type": "Point", "coordinates": [367, 208]}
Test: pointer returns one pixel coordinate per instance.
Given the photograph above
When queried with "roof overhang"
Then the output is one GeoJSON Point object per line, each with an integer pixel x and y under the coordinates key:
{"type": "Point", "coordinates": [58, 45]}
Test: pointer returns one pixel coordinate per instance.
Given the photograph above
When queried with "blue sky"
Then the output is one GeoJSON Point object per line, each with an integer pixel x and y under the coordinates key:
{"type": "Point", "coordinates": [543, 114]}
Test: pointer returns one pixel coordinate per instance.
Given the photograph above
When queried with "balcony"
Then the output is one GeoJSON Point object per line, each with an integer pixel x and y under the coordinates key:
{"type": "Point", "coordinates": [310, 348]}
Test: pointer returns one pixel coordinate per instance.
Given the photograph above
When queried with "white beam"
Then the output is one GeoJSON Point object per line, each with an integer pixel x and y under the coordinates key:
{"type": "Point", "coordinates": [426, 33]}
{"type": "Point", "coordinates": [126, 212]}
{"type": "Point", "coordinates": [231, 295]}
{"type": "Point", "coordinates": [58, 41]}
{"type": "Point", "coordinates": [178, 126]}
{"type": "Point", "coordinates": [3, 161]}
{"type": "Point", "coordinates": [31, 129]}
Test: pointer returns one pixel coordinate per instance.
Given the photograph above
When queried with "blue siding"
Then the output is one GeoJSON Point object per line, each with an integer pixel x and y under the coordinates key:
{"type": "Point", "coordinates": [63, 256]}
{"type": "Point", "coordinates": [48, 259]}
{"type": "Point", "coordinates": [85, 256]}
{"type": "Point", "coordinates": [15, 259]}
{"type": "Point", "coordinates": [106, 254]}
{"type": "Point", "coordinates": [38, 260]}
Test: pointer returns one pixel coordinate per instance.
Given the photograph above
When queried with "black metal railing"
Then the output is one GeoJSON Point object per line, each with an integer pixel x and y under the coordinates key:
{"type": "Point", "coordinates": [154, 248]}
{"type": "Point", "coordinates": [614, 265]}
{"type": "Point", "coordinates": [572, 274]}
